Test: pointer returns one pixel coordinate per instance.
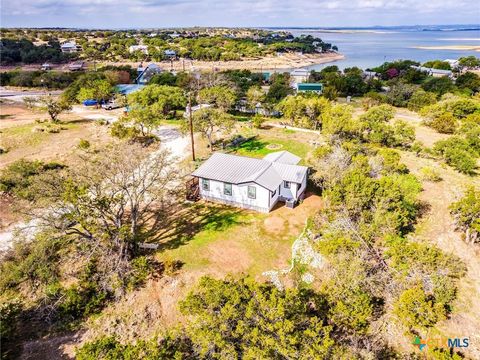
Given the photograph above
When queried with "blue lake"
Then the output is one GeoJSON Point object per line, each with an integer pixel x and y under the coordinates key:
{"type": "Point", "coordinates": [372, 48]}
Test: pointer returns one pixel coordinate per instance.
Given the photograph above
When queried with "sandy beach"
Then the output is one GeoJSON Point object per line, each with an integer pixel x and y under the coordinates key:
{"type": "Point", "coordinates": [450, 47]}
{"type": "Point", "coordinates": [285, 61]}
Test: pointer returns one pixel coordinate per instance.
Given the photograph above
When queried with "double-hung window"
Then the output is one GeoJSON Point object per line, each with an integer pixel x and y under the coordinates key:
{"type": "Point", "coordinates": [206, 184]}
{"type": "Point", "coordinates": [227, 189]}
{"type": "Point", "coordinates": [252, 192]}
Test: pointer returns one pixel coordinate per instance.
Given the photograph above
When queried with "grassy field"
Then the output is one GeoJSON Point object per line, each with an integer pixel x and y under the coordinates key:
{"type": "Point", "coordinates": [22, 137]}
{"type": "Point", "coordinates": [219, 239]}
{"type": "Point", "coordinates": [273, 139]}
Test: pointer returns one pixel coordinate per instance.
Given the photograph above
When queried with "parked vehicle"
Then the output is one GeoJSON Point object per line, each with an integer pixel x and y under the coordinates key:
{"type": "Point", "coordinates": [110, 105]}
{"type": "Point", "coordinates": [92, 102]}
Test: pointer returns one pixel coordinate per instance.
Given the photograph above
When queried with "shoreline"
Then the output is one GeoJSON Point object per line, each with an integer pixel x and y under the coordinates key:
{"type": "Point", "coordinates": [282, 62]}
{"type": "Point", "coordinates": [449, 47]}
{"type": "Point", "coordinates": [274, 63]}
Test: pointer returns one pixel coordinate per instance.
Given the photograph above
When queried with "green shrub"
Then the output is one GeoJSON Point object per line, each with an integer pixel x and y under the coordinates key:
{"type": "Point", "coordinates": [82, 300]}
{"type": "Point", "coordinates": [444, 354]}
{"type": "Point", "coordinates": [420, 99]}
{"type": "Point", "coordinates": [235, 318]}
{"type": "Point", "coordinates": [170, 346]}
{"type": "Point", "coordinates": [84, 144]}
{"type": "Point", "coordinates": [430, 174]}
{"type": "Point", "coordinates": [142, 268]}
{"type": "Point", "coordinates": [461, 160]}
{"type": "Point", "coordinates": [439, 85]}
{"type": "Point", "coordinates": [444, 123]}
{"type": "Point", "coordinates": [466, 212]}
{"type": "Point", "coordinates": [457, 153]}
{"type": "Point", "coordinates": [18, 177]}
{"type": "Point", "coordinates": [417, 310]}
{"type": "Point", "coordinates": [258, 121]}
{"type": "Point", "coordinates": [123, 131]}
{"type": "Point", "coordinates": [9, 311]}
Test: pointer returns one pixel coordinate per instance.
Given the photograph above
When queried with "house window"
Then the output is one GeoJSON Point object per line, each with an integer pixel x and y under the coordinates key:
{"type": "Point", "coordinates": [273, 193]}
{"type": "Point", "coordinates": [252, 192]}
{"type": "Point", "coordinates": [286, 184]}
{"type": "Point", "coordinates": [206, 184]}
{"type": "Point", "coordinates": [227, 189]}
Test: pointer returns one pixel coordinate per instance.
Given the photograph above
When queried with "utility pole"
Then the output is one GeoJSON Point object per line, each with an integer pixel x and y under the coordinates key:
{"type": "Point", "coordinates": [191, 124]}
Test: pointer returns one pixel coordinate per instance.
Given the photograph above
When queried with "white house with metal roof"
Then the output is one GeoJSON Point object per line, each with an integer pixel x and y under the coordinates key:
{"type": "Point", "coordinates": [256, 184]}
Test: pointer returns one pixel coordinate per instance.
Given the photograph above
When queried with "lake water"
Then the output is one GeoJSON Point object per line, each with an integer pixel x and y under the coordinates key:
{"type": "Point", "coordinates": [375, 46]}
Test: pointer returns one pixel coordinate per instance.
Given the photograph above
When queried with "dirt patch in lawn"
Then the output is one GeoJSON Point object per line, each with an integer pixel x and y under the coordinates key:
{"type": "Point", "coordinates": [15, 114]}
{"type": "Point", "coordinates": [228, 257]}
{"type": "Point", "coordinates": [274, 146]}
{"type": "Point", "coordinates": [274, 224]}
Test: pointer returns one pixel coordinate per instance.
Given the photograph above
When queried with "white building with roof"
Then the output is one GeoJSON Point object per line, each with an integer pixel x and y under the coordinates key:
{"type": "Point", "coordinates": [141, 48]}
{"type": "Point", "coordinates": [250, 183]}
{"type": "Point", "coordinates": [300, 75]}
{"type": "Point", "coordinates": [433, 72]}
{"type": "Point", "coordinates": [70, 47]}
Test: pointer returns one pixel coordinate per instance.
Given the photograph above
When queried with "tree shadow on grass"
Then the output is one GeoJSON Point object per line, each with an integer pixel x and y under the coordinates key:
{"type": "Point", "coordinates": [185, 224]}
{"type": "Point", "coordinates": [79, 121]}
{"type": "Point", "coordinates": [253, 145]}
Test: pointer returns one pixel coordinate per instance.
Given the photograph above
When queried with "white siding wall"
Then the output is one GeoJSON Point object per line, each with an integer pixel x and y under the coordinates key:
{"type": "Point", "coordinates": [295, 189]}
{"type": "Point", "coordinates": [288, 193]}
{"type": "Point", "coordinates": [239, 195]}
{"type": "Point", "coordinates": [303, 186]}
{"type": "Point", "coordinates": [274, 199]}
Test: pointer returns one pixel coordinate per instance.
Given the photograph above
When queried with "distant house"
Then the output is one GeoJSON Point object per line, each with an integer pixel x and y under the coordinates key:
{"type": "Point", "coordinates": [300, 75]}
{"type": "Point", "coordinates": [433, 72]}
{"type": "Point", "coordinates": [76, 66]}
{"type": "Point", "coordinates": [453, 62]}
{"type": "Point", "coordinates": [141, 48]}
{"type": "Point", "coordinates": [171, 54]}
{"type": "Point", "coordinates": [145, 74]}
{"type": "Point", "coordinates": [70, 47]}
{"type": "Point", "coordinates": [368, 74]}
{"type": "Point", "coordinates": [309, 88]}
{"type": "Point", "coordinates": [250, 183]}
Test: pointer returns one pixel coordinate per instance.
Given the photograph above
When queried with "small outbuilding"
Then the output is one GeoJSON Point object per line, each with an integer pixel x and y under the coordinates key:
{"type": "Point", "coordinates": [310, 87]}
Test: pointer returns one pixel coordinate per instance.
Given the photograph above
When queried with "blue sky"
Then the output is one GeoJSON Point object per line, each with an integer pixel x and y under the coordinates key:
{"type": "Point", "coordinates": [171, 13]}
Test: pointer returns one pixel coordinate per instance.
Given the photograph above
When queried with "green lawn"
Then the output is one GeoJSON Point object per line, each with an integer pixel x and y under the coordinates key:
{"type": "Point", "coordinates": [195, 228]}
{"type": "Point", "coordinates": [259, 147]}
{"type": "Point", "coordinates": [212, 237]}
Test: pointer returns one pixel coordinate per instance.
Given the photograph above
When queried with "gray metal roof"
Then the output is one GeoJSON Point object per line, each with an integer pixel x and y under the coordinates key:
{"type": "Point", "coordinates": [240, 169]}
{"type": "Point", "coordinates": [284, 157]}
{"type": "Point", "coordinates": [292, 173]}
